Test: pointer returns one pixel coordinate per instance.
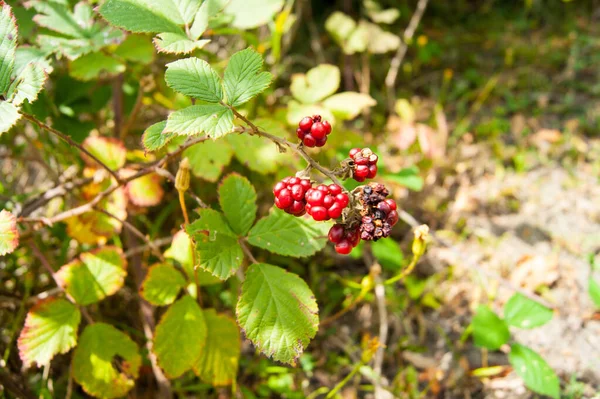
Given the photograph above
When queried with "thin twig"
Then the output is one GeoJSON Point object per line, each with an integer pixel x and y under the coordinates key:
{"type": "Point", "coordinates": [52, 193]}
{"type": "Point", "coordinates": [159, 242]}
{"type": "Point", "coordinates": [392, 75]}
{"type": "Point", "coordinates": [71, 142]}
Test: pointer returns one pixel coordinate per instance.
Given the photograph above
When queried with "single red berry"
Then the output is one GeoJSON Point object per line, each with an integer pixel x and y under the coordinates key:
{"type": "Point", "coordinates": [392, 218]}
{"type": "Point", "coordinates": [353, 152]}
{"type": "Point", "coordinates": [314, 197]}
{"type": "Point", "coordinates": [293, 180]}
{"type": "Point", "coordinates": [361, 161]}
{"type": "Point", "coordinates": [278, 203]}
{"type": "Point", "coordinates": [335, 210]}
{"type": "Point", "coordinates": [306, 123]}
{"type": "Point", "coordinates": [297, 207]}
{"type": "Point", "coordinates": [372, 171]}
{"type": "Point", "coordinates": [392, 204]}
{"type": "Point", "coordinates": [353, 237]}
{"type": "Point", "coordinates": [298, 192]}
{"type": "Point", "coordinates": [343, 247]}
{"type": "Point", "coordinates": [336, 233]}
{"type": "Point", "coordinates": [327, 127]}
{"type": "Point", "coordinates": [300, 133]}
{"type": "Point", "coordinates": [285, 198]}
{"type": "Point", "coordinates": [318, 130]}
{"type": "Point", "coordinates": [319, 213]}
{"type": "Point", "coordinates": [278, 187]}
{"type": "Point", "coordinates": [321, 142]}
{"type": "Point", "coordinates": [309, 140]}
{"type": "Point", "coordinates": [324, 188]}
{"type": "Point", "coordinates": [342, 199]}
{"type": "Point", "coordinates": [334, 189]}
{"type": "Point", "coordinates": [385, 207]}
{"type": "Point", "coordinates": [305, 183]}
{"type": "Point", "coordinates": [328, 200]}
{"type": "Point", "coordinates": [361, 171]}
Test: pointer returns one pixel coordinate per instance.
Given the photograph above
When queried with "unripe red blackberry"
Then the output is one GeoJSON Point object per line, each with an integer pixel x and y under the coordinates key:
{"type": "Point", "coordinates": [379, 214]}
{"type": "Point", "coordinates": [290, 195]}
{"type": "Point", "coordinates": [313, 131]}
{"type": "Point", "coordinates": [364, 165]}
{"type": "Point", "coordinates": [344, 239]}
{"type": "Point", "coordinates": [326, 202]}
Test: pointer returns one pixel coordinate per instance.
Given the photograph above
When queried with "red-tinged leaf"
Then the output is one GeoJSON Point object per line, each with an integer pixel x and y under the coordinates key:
{"type": "Point", "coordinates": [109, 150]}
{"type": "Point", "coordinates": [9, 235]}
{"type": "Point", "coordinates": [145, 191]}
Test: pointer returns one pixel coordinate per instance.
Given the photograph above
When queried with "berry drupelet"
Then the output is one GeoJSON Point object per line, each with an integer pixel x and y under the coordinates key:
{"type": "Point", "coordinates": [344, 239]}
{"type": "Point", "coordinates": [313, 131]}
{"type": "Point", "coordinates": [326, 202]}
{"type": "Point", "coordinates": [289, 195]}
{"type": "Point", "coordinates": [364, 164]}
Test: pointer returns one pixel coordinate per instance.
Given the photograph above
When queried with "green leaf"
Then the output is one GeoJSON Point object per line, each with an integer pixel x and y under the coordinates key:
{"type": "Point", "coordinates": [162, 284]}
{"type": "Point", "coordinates": [8, 45]}
{"type": "Point", "coordinates": [389, 254]}
{"type": "Point", "coordinates": [218, 362]}
{"type": "Point", "coordinates": [380, 41]}
{"type": "Point", "coordinates": [285, 234]}
{"type": "Point", "coordinates": [94, 276]}
{"type": "Point", "coordinates": [195, 78]}
{"type": "Point", "coordinates": [379, 15]}
{"type": "Point", "coordinates": [219, 251]}
{"type": "Point", "coordinates": [208, 9]}
{"type": "Point", "coordinates": [277, 311]}
{"type": "Point", "coordinates": [297, 111]}
{"type": "Point", "coordinates": [349, 104]}
{"type": "Point", "coordinates": [111, 151]}
{"type": "Point", "coordinates": [489, 330]}
{"type": "Point", "coordinates": [593, 290]}
{"type": "Point", "coordinates": [522, 312]}
{"type": "Point", "coordinates": [176, 43]}
{"type": "Point", "coordinates": [237, 198]}
{"type": "Point", "coordinates": [154, 139]}
{"type": "Point", "coordinates": [181, 250]}
{"type": "Point", "coordinates": [101, 348]}
{"type": "Point", "coordinates": [214, 120]}
{"type": "Point", "coordinates": [27, 84]}
{"type": "Point", "coordinates": [139, 16]}
{"type": "Point", "coordinates": [208, 159]}
{"type": "Point", "coordinates": [9, 234]}
{"type": "Point", "coordinates": [145, 190]}
{"type": "Point", "coordinates": [92, 65]}
{"type": "Point", "coordinates": [243, 78]}
{"type": "Point", "coordinates": [180, 337]}
{"type": "Point", "coordinates": [187, 9]}
{"type": "Point", "coordinates": [136, 48]}
{"type": "Point", "coordinates": [340, 26]}
{"type": "Point", "coordinates": [50, 328]}
{"type": "Point", "coordinates": [248, 14]}
{"type": "Point", "coordinates": [407, 177]}
{"type": "Point", "coordinates": [318, 83]}
{"type": "Point", "coordinates": [533, 369]}
{"type": "Point", "coordinates": [58, 18]}
{"type": "Point", "coordinates": [9, 115]}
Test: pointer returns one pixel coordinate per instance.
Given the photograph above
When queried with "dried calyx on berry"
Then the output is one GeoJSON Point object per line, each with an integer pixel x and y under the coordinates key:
{"type": "Point", "coordinates": [313, 131]}
{"type": "Point", "coordinates": [290, 195]}
{"type": "Point", "coordinates": [379, 214]}
{"type": "Point", "coordinates": [364, 164]}
{"type": "Point", "coordinates": [326, 202]}
{"type": "Point", "coordinates": [344, 238]}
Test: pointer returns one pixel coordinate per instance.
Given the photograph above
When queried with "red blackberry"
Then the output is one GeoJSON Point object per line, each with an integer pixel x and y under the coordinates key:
{"type": "Point", "coordinates": [344, 239]}
{"type": "Point", "coordinates": [290, 195]}
{"type": "Point", "coordinates": [326, 202]}
{"type": "Point", "coordinates": [365, 164]}
{"type": "Point", "coordinates": [313, 131]}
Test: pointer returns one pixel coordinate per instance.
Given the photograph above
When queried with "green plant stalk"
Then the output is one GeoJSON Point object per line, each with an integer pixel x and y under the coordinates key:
{"type": "Point", "coordinates": [341, 384]}
{"type": "Point", "coordinates": [404, 273]}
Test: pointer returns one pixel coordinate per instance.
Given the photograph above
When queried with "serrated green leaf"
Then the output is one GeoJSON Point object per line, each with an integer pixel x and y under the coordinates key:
{"type": "Point", "coordinates": [9, 234]}
{"type": "Point", "coordinates": [31, 55]}
{"type": "Point", "coordinates": [58, 17]}
{"type": "Point", "coordinates": [248, 14]}
{"type": "Point", "coordinates": [489, 330]}
{"type": "Point", "coordinates": [180, 337]}
{"type": "Point", "coordinates": [94, 276]}
{"type": "Point", "coordinates": [187, 9]}
{"type": "Point", "coordinates": [208, 9]}
{"type": "Point", "coordinates": [175, 43]}
{"type": "Point", "coordinates": [181, 250]}
{"type": "Point", "coordinates": [136, 48]}
{"type": "Point", "coordinates": [318, 83]}
{"type": "Point", "coordinates": [218, 362]}
{"type": "Point", "coordinates": [285, 234]}
{"type": "Point", "coordinates": [522, 312]}
{"type": "Point", "coordinates": [243, 78]}
{"type": "Point", "coordinates": [533, 369]}
{"type": "Point", "coordinates": [154, 139]}
{"type": "Point", "coordinates": [9, 115]}
{"type": "Point", "coordinates": [8, 45]}
{"type": "Point", "coordinates": [50, 328]}
{"type": "Point", "coordinates": [92, 65]}
{"type": "Point", "coordinates": [593, 290]}
{"type": "Point", "coordinates": [213, 120]}
{"type": "Point", "coordinates": [27, 84]}
{"type": "Point", "coordinates": [277, 311]}
{"type": "Point", "coordinates": [141, 16]}
{"type": "Point", "coordinates": [219, 251]}
{"type": "Point", "coordinates": [111, 151]}
{"type": "Point", "coordinates": [195, 78]}
{"type": "Point", "coordinates": [102, 347]}
{"type": "Point", "coordinates": [349, 104]}
{"type": "Point", "coordinates": [208, 159]}
{"type": "Point", "coordinates": [237, 198]}
{"type": "Point", "coordinates": [162, 284]}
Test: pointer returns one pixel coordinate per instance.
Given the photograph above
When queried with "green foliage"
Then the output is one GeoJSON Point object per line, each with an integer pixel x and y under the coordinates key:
{"type": "Point", "coordinates": [237, 198]}
{"type": "Point", "coordinates": [594, 292]}
{"type": "Point", "coordinates": [8, 46]}
{"type": "Point", "coordinates": [243, 78]}
{"type": "Point", "coordinates": [154, 138]}
{"type": "Point", "coordinates": [142, 16]}
{"type": "Point", "coordinates": [277, 311]}
{"type": "Point", "coordinates": [195, 78]}
{"type": "Point", "coordinates": [162, 284]}
{"type": "Point", "coordinates": [489, 330]}
{"type": "Point", "coordinates": [208, 159]}
{"type": "Point", "coordinates": [523, 312]}
{"type": "Point", "coordinates": [538, 376]}
{"type": "Point", "coordinates": [213, 120]}
{"type": "Point", "coordinates": [9, 234]}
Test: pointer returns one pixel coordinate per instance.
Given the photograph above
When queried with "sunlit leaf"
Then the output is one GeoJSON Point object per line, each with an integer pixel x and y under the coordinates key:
{"type": "Point", "coordinates": [8, 45]}
{"type": "Point", "coordinates": [195, 78]}
{"type": "Point", "coordinates": [92, 65]}
{"type": "Point", "coordinates": [593, 290]}
{"type": "Point", "coordinates": [297, 111]}
{"type": "Point", "coordinates": [214, 120]}
{"type": "Point", "coordinates": [27, 84]}
{"type": "Point", "coordinates": [181, 250]}
{"type": "Point", "coordinates": [141, 15]}
{"type": "Point", "coordinates": [316, 84]}
{"type": "Point", "coordinates": [489, 330]}
{"type": "Point", "coordinates": [111, 151]}
{"type": "Point", "coordinates": [57, 17]}
{"type": "Point", "coordinates": [237, 198]}
{"type": "Point", "coordinates": [177, 43]}
{"type": "Point", "coordinates": [277, 311]}
{"type": "Point", "coordinates": [50, 328]}
{"type": "Point", "coordinates": [243, 78]}
{"type": "Point", "coordinates": [249, 14]}
{"type": "Point", "coordinates": [146, 190]}
{"type": "Point", "coordinates": [537, 374]}
{"type": "Point", "coordinates": [154, 139]}
{"type": "Point", "coordinates": [349, 104]}
{"type": "Point", "coordinates": [136, 48]}
{"type": "Point", "coordinates": [523, 312]}
{"type": "Point", "coordinates": [208, 9]}
{"type": "Point", "coordinates": [208, 159]}
{"type": "Point", "coordinates": [162, 284]}
{"type": "Point", "coordinates": [9, 234]}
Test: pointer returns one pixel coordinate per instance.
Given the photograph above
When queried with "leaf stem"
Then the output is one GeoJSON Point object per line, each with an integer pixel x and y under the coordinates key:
{"type": "Point", "coordinates": [341, 384]}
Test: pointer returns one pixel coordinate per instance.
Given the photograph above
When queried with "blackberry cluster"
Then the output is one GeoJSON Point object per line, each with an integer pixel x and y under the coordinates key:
{"type": "Point", "coordinates": [379, 214]}
{"type": "Point", "coordinates": [365, 164]}
{"type": "Point", "coordinates": [313, 131]}
{"type": "Point", "coordinates": [289, 195]}
{"type": "Point", "coordinates": [344, 239]}
{"type": "Point", "coordinates": [326, 202]}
